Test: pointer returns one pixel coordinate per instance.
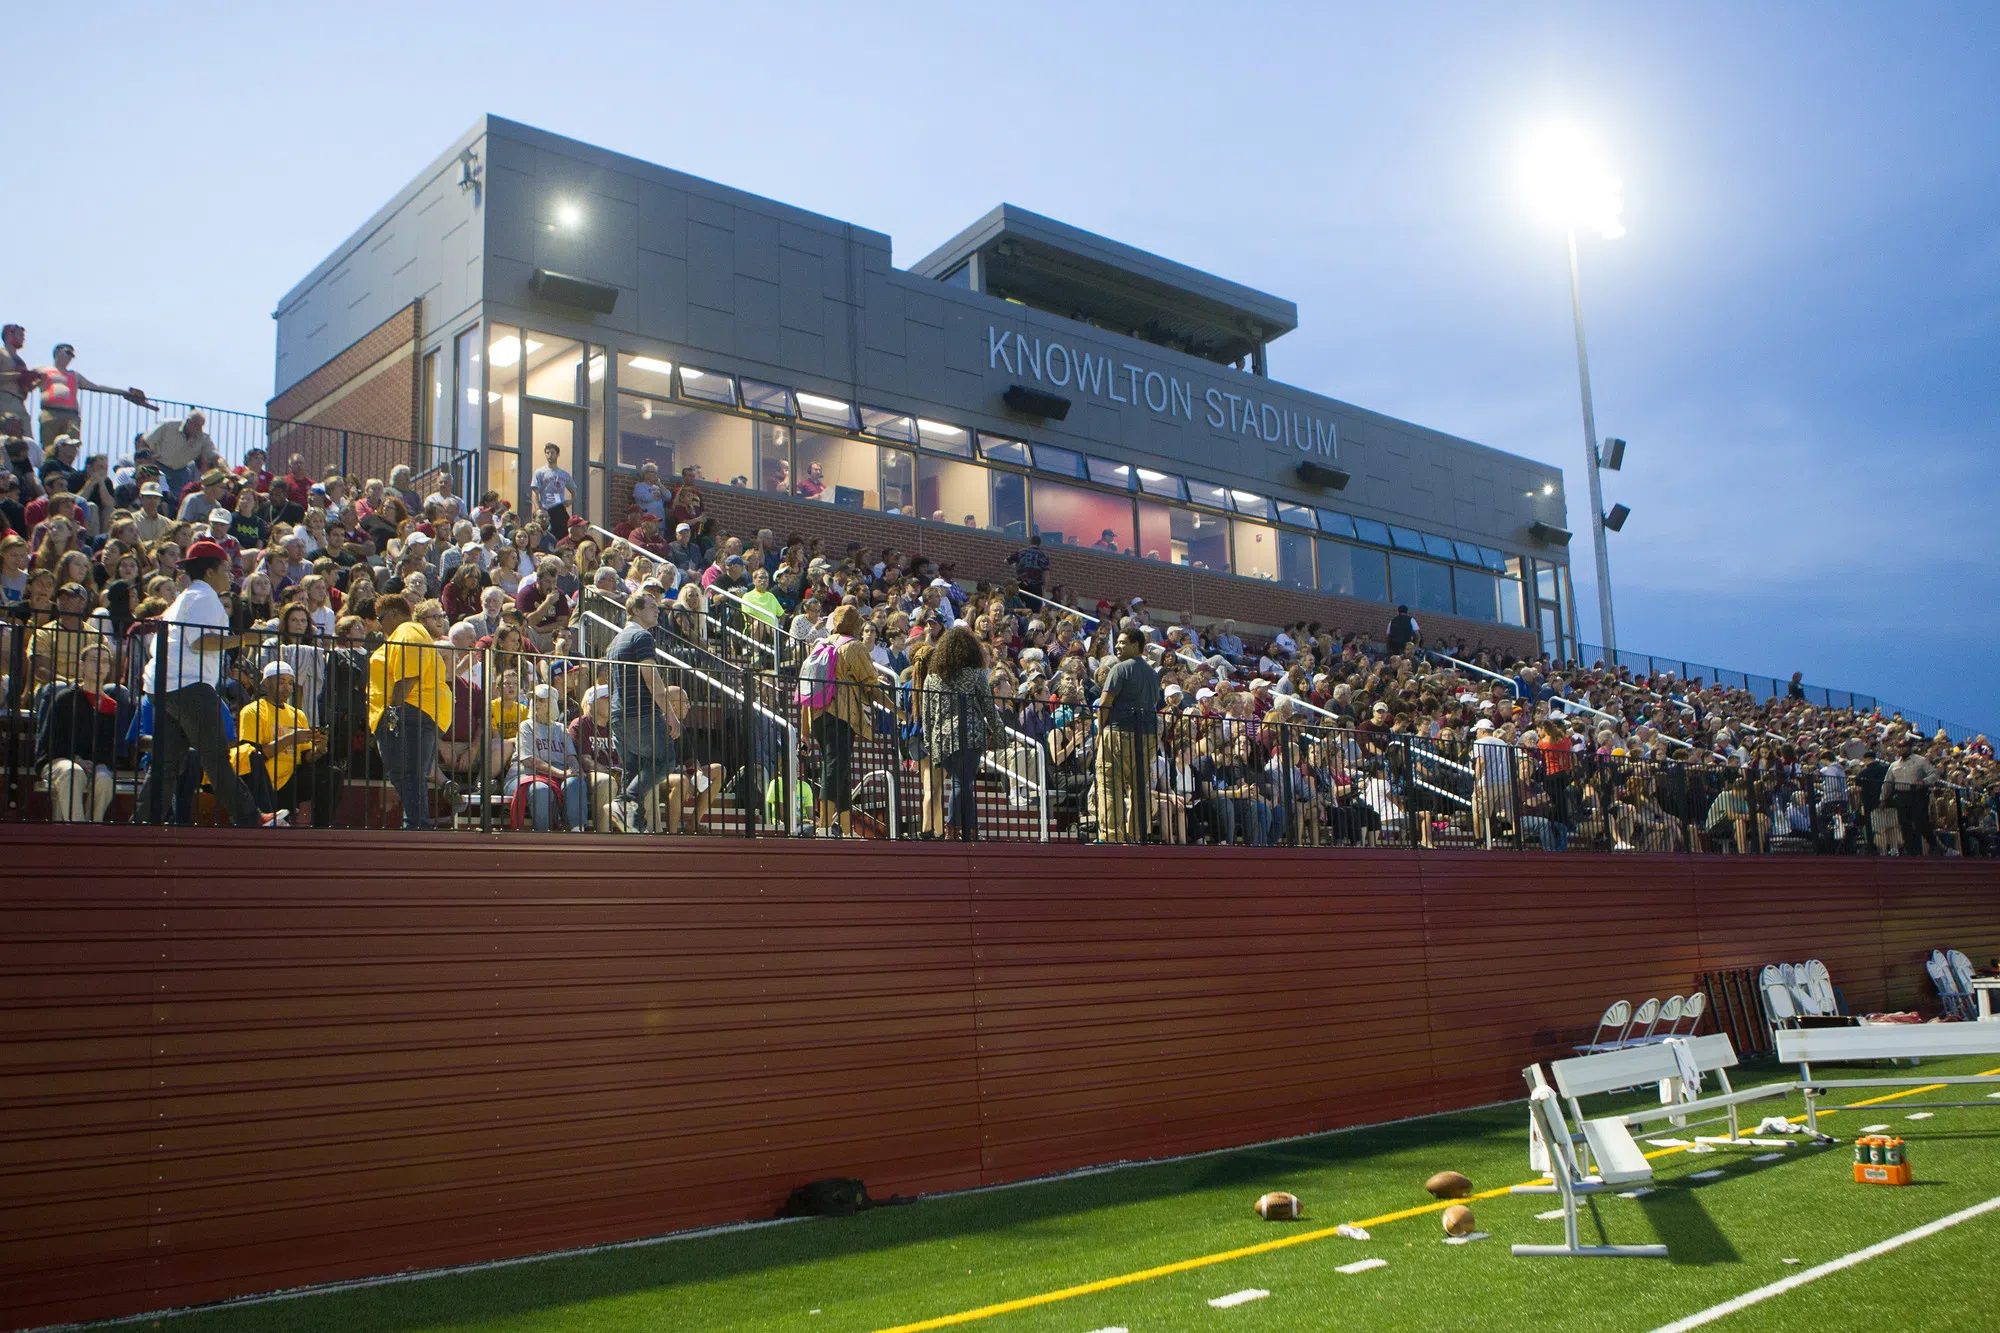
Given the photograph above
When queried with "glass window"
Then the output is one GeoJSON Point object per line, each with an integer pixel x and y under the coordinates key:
{"type": "Point", "coordinates": [672, 436]}
{"type": "Point", "coordinates": [758, 396]}
{"type": "Point", "coordinates": [1493, 560]}
{"type": "Point", "coordinates": [1468, 554]}
{"type": "Point", "coordinates": [1107, 473]}
{"type": "Point", "coordinates": [771, 450]}
{"type": "Point", "coordinates": [944, 438]}
{"type": "Point", "coordinates": [1002, 450]}
{"type": "Point", "coordinates": [1206, 493]}
{"type": "Point", "coordinates": [1200, 541]}
{"type": "Point", "coordinates": [1339, 525]}
{"type": "Point", "coordinates": [503, 391]}
{"type": "Point", "coordinates": [1368, 530]}
{"type": "Point", "coordinates": [1256, 550]}
{"type": "Point", "coordinates": [854, 474]}
{"type": "Point", "coordinates": [1295, 559]}
{"type": "Point", "coordinates": [433, 399]}
{"type": "Point", "coordinates": [1511, 612]}
{"type": "Point", "coordinates": [1439, 547]}
{"type": "Point", "coordinates": [954, 493]}
{"type": "Point", "coordinates": [1156, 533]}
{"type": "Point", "coordinates": [1353, 571]}
{"type": "Point", "coordinates": [1297, 515]}
{"type": "Point", "coordinates": [888, 425]}
{"type": "Point", "coordinates": [1406, 539]}
{"type": "Point", "coordinates": [1072, 516]}
{"type": "Point", "coordinates": [1477, 594]}
{"type": "Point", "coordinates": [470, 370]}
{"type": "Point", "coordinates": [645, 374]}
{"type": "Point", "coordinates": [549, 366]}
{"type": "Point", "coordinates": [1010, 505]}
{"type": "Point", "coordinates": [1255, 506]}
{"type": "Point", "coordinates": [1422, 585]}
{"type": "Point", "coordinates": [826, 411]}
{"type": "Point", "coordinates": [503, 474]}
{"type": "Point", "coordinates": [708, 386]}
{"type": "Point", "coordinates": [1062, 462]}
{"type": "Point", "coordinates": [1163, 484]}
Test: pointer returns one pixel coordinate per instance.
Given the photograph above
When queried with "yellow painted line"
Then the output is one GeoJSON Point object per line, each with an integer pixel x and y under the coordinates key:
{"type": "Point", "coordinates": [1283, 1242]}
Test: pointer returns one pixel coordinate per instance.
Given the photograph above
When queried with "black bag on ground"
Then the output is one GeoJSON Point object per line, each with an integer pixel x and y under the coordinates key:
{"type": "Point", "coordinates": [836, 1196]}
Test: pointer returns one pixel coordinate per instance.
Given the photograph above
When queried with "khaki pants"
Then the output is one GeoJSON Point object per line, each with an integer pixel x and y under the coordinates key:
{"type": "Point", "coordinates": [79, 792]}
{"type": "Point", "coordinates": [1122, 768]}
{"type": "Point", "coordinates": [58, 421]}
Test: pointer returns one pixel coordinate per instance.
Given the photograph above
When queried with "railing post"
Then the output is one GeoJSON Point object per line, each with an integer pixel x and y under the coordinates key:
{"type": "Point", "coordinates": [343, 453]}
{"type": "Point", "coordinates": [17, 652]}
{"type": "Point", "coordinates": [746, 776]}
{"type": "Point", "coordinates": [485, 733]}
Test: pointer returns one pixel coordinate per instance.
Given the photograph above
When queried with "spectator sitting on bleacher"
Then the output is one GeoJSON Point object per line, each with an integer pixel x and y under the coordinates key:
{"type": "Point", "coordinates": [80, 737]}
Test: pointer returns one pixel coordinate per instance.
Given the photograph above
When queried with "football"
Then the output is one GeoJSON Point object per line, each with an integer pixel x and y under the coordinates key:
{"type": "Point", "coordinates": [1458, 1220]}
{"type": "Point", "coordinates": [1448, 1185]}
{"type": "Point", "coordinates": [1278, 1206]}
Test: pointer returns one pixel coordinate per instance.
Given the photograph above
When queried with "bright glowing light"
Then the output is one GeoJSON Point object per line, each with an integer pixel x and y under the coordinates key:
{"type": "Point", "coordinates": [1566, 179]}
{"type": "Point", "coordinates": [568, 214]}
{"type": "Point", "coordinates": [1548, 488]}
{"type": "Point", "coordinates": [507, 351]}
{"type": "Point", "coordinates": [652, 366]}
{"type": "Point", "coordinates": [940, 428]}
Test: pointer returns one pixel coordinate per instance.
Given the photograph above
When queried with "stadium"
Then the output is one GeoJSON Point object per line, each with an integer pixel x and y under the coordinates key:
{"type": "Point", "coordinates": [679, 774]}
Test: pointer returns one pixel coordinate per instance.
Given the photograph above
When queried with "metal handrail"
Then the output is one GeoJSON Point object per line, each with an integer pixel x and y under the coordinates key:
{"type": "Point", "coordinates": [777, 660]}
{"type": "Point", "coordinates": [1040, 786]}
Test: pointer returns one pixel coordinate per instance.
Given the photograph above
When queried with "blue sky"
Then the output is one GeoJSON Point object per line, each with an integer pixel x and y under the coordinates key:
{"type": "Point", "coordinates": [1799, 335]}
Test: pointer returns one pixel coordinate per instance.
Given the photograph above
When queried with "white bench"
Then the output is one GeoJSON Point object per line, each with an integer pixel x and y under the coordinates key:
{"type": "Point", "coordinates": [1886, 1041]}
{"type": "Point", "coordinates": [1611, 1156]}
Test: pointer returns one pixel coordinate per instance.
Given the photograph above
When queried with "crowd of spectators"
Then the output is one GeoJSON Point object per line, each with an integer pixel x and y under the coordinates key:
{"type": "Point", "coordinates": [389, 627]}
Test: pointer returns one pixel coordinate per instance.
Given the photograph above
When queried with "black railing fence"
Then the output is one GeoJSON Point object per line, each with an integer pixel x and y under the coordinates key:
{"type": "Point", "coordinates": [175, 724]}
{"type": "Point", "coordinates": [114, 427]}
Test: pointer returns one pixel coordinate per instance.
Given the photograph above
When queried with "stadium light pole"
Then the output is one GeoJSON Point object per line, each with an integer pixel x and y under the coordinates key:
{"type": "Point", "coordinates": [1569, 184]}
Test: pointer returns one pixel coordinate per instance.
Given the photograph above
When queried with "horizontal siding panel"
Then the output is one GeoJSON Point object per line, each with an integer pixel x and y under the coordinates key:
{"type": "Point", "coordinates": [217, 1082]}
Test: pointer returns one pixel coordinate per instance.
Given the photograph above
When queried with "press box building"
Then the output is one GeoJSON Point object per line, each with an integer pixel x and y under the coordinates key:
{"type": "Point", "coordinates": [528, 289]}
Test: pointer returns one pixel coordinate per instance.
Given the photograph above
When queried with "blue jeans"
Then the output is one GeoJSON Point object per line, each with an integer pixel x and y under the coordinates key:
{"type": "Point", "coordinates": [645, 752]}
{"type": "Point", "coordinates": [963, 766]}
{"type": "Point", "coordinates": [408, 751]}
{"type": "Point", "coordinates": [542, 805]}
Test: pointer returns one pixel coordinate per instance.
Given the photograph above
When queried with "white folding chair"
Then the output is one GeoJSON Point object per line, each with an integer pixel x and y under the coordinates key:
{"type": "Point", "coordinates": [1820, 981]}
{"type": "Point", "coordinates": [1670, 1014]}
{"type": "Point", "coordinates": [1957, 1003]}
{"type": "Point", "coordinates": [1616, 1018]}
{"type": "Point", "coordinates": [1691, 1012]}
{"type": "Point", "coordinates": [1648, 1014]}
{"type": "Point", "coordinates": [1961, 968]}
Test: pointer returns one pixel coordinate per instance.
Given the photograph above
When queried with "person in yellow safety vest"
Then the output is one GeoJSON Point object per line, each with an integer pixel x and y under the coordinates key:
{"type": "Point", "coordinates": [62, 412]}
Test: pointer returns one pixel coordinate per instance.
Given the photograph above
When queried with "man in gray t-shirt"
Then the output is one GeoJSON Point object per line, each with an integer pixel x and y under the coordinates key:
{"type": "Point", "coordinates": [642, 724]}
{"type": "Point", "coordinates": [1127, 711]}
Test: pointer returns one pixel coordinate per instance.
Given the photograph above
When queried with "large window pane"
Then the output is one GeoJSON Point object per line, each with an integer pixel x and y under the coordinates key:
{"type": "Point", "coordinates": [1335, 524]}
{"type": "Point", "coordinates": [826, 411]}
{"type": "Point", "coordinates": [550, 365]}
{"type": "Point", "coordinates": [708, 386]}
{"type": "Point", "coordinates": [1477, 594]}
{"type": "Point", "coordinates": [1072, 516]}
{"type": "Point", "coordinates": [1010, 504]}
{"type": "Point", "coordinates": [944, 437]}
{"type": "Point", "coordinates": [1107, 473]}
{"type": "Point", "coordinates": [774, 399]}
{"type": "Point", "coordinates": [470, 372]}
{"type": "Point", "coordinates": [899, 483]}
{"type": "Point", "coordinates": [1256, 549]}
{"type": "Point", "coordinates": [887, 425]}
{"type": "Point", "coordinates": [646, 374]}
{"type": "Point", "coordinates": [955, 493]}
{"type": "Point", "coordinates": [1295, 559]}
{"type": "Point", "coordinates": [1296, 514]}
{"type": "Point", "coordinates": [1209, 494]}
{"type": "Point", "coordinates": [503, 474]}
{"type": "Point", "coordinates": [1470, 554]}
{"type": "Point", "coordinates": [1353, 571]}
{"type": "Point", "coordinates": [1200, 541]}
{"type": "Point", "coordinates": [503, 392]}
{"type": "Point", "coordinates": [1368, 530]}
{"type": "Point", "coordinates": [1002, 450]}
{"type": "Point", "coordinates": [1406, 539]}
{"type": "Point", "coordinates": [1156, 532]}
{"type": "Point", "coordinates": [1422, 585]}
{"type": "Point", "coordinates": [674, 435]}
{"type": "Point", "coordinates": [771, 447]}
{"type": "Point", "coordinates": [1165, 485]}
{"type": "Point", "coordinates": [1251, 505]}
{"type": "Point", "coordinates": [851, 474]}
{"type": "Point", "coordinates": [1439, 547]}
{"type": "Point", "coordinates": [1062, 462]}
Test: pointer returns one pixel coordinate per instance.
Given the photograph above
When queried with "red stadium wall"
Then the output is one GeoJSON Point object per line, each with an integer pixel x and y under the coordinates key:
{"type": "Point", "coordinates": [238, 1062]}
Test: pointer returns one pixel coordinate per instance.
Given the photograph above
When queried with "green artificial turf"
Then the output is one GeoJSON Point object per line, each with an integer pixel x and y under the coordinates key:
{"type": "Point", "coordinates": [1726, 1236]}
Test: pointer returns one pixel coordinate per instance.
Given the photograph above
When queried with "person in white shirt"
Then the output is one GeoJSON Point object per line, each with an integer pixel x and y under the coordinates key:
{"type": "Point", "coordinates": [1493, 780]}
{"type": "Point", "coordinates": [553, 488]}
{"type": "Point", "coordinates": [187, 710]}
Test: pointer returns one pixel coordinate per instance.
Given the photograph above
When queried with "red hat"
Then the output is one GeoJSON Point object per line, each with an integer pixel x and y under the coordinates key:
{"type": "Point", "coordinates": [205, 550]}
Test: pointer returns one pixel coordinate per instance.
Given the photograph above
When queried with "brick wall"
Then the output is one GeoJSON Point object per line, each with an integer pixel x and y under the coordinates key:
{"type": "Point", "coordinates": [1086, 575]}
{"type": "Point", "coordinates": [370, 387]}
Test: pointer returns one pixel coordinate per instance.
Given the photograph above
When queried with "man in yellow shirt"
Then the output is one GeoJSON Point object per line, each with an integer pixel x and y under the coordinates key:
{"type": "Point", "coordinates": [409, 699]}
{"type": "Point", "coordinates": [279, 754]}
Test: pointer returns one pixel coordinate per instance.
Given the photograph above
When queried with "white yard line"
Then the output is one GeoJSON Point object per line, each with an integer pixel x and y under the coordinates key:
{"type": "Point", "coordinates": [1779, 1288]}
{"type": "Point", "coordinates": [1236, 1298]}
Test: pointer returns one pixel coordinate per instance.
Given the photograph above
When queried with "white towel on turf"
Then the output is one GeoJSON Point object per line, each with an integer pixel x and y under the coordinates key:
{"type": "Point", "coordinates": [1690, 1071]}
